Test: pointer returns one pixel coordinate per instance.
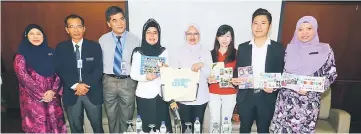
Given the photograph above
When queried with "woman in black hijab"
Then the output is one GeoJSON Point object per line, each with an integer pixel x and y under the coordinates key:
{"type": "Point", "coordinates": [40, 90]}
{"type": "Point", "coordinates": [150, 105]}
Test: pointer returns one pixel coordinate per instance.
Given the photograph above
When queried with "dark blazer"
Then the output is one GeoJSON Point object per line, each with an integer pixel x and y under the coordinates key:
{"type": "Point", "coordinates": [274, 64]}
{"type": "Point", "coordinates": [66, 67]}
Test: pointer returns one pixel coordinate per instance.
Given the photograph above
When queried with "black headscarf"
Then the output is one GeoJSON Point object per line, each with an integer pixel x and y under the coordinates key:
{"type": "Point", "coordinates": [146, 48]}
{"type": "Point", "coordinates": [39, 58]}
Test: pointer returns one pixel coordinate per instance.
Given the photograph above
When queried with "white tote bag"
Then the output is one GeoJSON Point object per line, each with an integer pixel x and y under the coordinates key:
{"type": "Point", "coordinates": [179, 84]}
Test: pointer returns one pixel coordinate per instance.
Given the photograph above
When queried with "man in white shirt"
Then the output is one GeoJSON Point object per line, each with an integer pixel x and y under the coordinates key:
{"type": "Point", "coordinates": [119, 89]}
{"type": "Point", "coordinates": [265, 56]}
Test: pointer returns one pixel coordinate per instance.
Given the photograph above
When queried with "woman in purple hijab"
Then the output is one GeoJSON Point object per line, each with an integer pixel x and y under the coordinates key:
{"type": "Point", "coordinates": [39, 85]}
{"type": "Point", "coordinates": [297, 111]}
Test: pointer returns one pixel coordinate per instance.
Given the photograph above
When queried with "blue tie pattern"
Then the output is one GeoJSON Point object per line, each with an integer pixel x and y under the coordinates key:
{"type": "Point", "coordinates": [118, 57]}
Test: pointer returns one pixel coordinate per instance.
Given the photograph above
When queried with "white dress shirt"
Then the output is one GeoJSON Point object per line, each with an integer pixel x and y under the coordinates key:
{"type": "Point", "coordinates": [80, 44]}
{"type": "Point", "coordinates": [259, 55]}
{"type": "Point", "coordinates": [108, 43]}
{"type": "Point", "coordinates": [145, 88]}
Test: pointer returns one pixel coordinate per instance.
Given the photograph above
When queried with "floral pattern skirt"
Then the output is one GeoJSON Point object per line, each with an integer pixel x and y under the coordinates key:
{"type": "Point", "coordinates": [295, 113]}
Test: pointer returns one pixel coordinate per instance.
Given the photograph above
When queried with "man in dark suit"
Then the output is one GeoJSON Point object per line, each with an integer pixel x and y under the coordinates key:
{"type": "Point", "coordinates": [265, 56]}
{"type": "Point", "coordinates": [79, 64]}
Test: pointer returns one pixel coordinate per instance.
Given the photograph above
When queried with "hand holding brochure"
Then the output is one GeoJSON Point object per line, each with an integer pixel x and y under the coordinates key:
{"type": "Point", "coordinates": [271, 80]}
{"type": "Point", "coordinates": [150, 64]}
{"type": "Point", "coordinates": [290, 81]}
{"type": "Point", "coordinates": [313, 84]}
{"type": "Point", "coordinates": [307, 83]}
{"type": "Point", "coordinates": [246, 73]}
{"type": "Point", "coordinates": [276, 80]}
{"type": "Point", "coordinates": [222, 75]}
{"type": "Point", "coordinates": [226, 75]}
{"type": "Point", "coordinates": [215, 70]}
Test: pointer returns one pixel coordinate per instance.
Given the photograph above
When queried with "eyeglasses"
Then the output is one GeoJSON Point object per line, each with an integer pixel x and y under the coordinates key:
{"type": "Point", "coordinates": [153, 33]}
{"type": "Point", "coordinates": [77, 26]}
{"type": "Point", "coordinates": [192, 34]}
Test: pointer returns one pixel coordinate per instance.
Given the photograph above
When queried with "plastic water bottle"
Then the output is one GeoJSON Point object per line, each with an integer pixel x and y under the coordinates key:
{"type": "Point", "coordinates": [225, 125]}
{"type": "Point", "coordinates": [138, 124]}
{"type": "Point", "coordinates": [215, 128]}
{"type": "Point", "coordinates": [197, 126]}
{"type": "Point", "coordinates": [163, 128]}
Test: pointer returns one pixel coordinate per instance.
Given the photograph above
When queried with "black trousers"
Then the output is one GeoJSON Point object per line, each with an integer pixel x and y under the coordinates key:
{"type": "Point", "coordinates": [255, 107]}
{"type": "Point", "coordinates": [153, 111]}
{"type": "Point", "coordinates": [189, 113]}
{"type": "Point", "coordinates": [76, 115]}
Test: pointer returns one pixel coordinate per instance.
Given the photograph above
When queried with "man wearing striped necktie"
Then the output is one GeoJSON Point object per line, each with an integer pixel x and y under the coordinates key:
{"type": "Point", "coordinates": [119, 88]}
{"type": "Point", "coordinates": [79, 64]}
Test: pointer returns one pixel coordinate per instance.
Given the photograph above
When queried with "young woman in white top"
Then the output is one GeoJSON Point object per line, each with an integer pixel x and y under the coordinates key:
{"type": "Point", "coordinates": [150, 105]}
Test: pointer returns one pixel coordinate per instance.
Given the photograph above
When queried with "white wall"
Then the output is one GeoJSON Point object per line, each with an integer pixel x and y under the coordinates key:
{"type": "Point", "coordinates": [174, 16]}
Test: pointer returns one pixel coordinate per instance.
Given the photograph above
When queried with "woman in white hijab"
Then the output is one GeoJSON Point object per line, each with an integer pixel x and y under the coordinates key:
{"type": "Point", "coordinates": [193, 55]}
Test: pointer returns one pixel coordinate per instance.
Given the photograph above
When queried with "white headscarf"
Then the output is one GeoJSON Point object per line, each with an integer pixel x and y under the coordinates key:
{"type": "Point", "coordinates": [196, 46]}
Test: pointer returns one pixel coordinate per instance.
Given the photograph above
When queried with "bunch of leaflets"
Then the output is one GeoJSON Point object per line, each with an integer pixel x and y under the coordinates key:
{"type": "Point", "coordinates": [278, 80]}
{"type": "Point", "coordinates": [222, 75]}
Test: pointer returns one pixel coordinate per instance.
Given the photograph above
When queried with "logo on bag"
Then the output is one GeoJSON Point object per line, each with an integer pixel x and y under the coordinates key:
{"type": "Point", "coordinates": [180, 82]}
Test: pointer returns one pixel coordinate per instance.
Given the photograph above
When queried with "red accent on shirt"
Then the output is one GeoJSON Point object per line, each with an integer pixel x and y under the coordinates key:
{"type": "Point", "coordinates": [214, 87]}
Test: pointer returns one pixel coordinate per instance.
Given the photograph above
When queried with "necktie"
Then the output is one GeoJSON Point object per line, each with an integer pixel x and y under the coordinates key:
{"type": "Point", "coordinates": [118, 57]}
{"type": "Point", "coordinates": [77, 52]}
{"type": "Point", "coordinates": [77, 55]}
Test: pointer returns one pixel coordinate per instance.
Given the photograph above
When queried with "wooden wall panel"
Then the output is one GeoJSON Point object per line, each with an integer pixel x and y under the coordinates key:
{"type": "Point", "coordinates": [15, 16]}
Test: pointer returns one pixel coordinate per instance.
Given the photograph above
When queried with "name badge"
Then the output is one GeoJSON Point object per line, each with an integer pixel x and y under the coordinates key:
{"type": "Point", "coordinates": [313, 53]}
{"type": "Point", "coordinates": [200, 59]}
{"type": "Point", "coordinates": [123, 67]}
{"type": "Point", "coordinates": [80, 63]}
{"type": "Point", "coordinates": [89, 59]}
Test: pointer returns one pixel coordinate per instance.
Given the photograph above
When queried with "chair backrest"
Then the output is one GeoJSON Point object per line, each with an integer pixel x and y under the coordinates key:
{"type": "Point", "coordinates": [325, 104]}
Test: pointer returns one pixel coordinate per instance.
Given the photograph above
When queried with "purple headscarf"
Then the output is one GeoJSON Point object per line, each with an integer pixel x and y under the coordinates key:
{"type": "Point", "coordinates": [306, 58]}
